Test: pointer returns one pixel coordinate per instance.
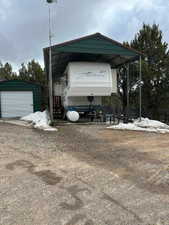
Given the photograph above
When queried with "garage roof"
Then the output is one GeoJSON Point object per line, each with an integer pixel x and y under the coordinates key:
{"type": "Point", "coordinates": [14, 83]}
{"type": "Point", "coordinates": [92, 48]}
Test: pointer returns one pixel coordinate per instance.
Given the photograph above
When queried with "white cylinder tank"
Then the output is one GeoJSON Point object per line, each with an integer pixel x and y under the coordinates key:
{"type": "Point", "coordinates": [72, 116]}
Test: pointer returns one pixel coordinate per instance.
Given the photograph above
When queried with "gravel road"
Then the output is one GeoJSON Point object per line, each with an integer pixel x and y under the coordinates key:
{"type": "Point", "coordinates": [83, 175]}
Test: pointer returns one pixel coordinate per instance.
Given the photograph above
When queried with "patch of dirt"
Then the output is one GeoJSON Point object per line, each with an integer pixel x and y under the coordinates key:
{"type": "Point", "coordinates": [134, 156]}
{"type": "Point", "coordinates": [83, 175]}
{"type": "Point", "coordinates": [46, 176]}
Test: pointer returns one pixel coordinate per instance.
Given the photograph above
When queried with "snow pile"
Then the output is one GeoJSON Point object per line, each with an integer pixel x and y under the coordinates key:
{"type": "Point", "coordinates": [39, 120]}
{"type": "Point", "coordinates": [147, 123]}
{"type": "Point", "coordinates": [144, 125]}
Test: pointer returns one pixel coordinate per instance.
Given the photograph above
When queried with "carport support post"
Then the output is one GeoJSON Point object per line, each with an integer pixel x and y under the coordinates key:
{"type": "Point", "coordinates": [140, 88]}
{"type": "Point", "coordinates": [50, 70]}
{"type": "Point", "coordinates": [128, 91]}
{"type": "Point", "coordinates": [50, 86]}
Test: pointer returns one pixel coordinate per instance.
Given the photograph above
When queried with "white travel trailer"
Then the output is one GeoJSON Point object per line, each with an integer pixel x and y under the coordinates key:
{"type": "Point", "coordinates": [84, 84]}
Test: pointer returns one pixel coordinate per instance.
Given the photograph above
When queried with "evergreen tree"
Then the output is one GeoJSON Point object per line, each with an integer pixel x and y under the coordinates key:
{"type": "Point", "coordinates": [23, 73]}
{"type": "Point", "coordinates": [6, 71]}
{"type": "Point", "coordinates": [155, 72]}
{"type": "Point", "coordinates": [32, 72]}
{"type": "Point", "coordinates": [128, 74]}
{"type": "Point", "coordinates": [36, 73]}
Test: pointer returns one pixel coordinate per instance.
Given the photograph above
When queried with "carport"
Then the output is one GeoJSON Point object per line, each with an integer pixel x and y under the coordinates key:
{"type": "Point", "coordinates": [92, 48]}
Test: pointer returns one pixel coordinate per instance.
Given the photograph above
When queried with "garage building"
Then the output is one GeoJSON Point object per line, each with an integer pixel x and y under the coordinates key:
{"type": "Point", "coordinates": [19, 98]}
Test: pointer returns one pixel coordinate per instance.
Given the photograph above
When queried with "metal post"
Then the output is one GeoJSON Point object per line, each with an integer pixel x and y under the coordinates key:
{"type": "Point", "coordinates": [140, 89]}
{"type": "Point", "coordinates": [50, 70]}
{"type": "Point", "coordinates": [128, 91]}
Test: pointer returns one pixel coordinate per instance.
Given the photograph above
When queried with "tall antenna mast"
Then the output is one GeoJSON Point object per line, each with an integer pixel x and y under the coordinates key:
{"type": "Point", "coordinates": [50, 62]}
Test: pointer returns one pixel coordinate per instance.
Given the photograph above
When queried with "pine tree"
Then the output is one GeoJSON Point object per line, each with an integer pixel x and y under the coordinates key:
{"type": "Point", "coordinates": [6, 71]}
{"type": "Point", "coordinates": [130, 71]}
{"type": "Point", "coordinates": [23, 73]}
{"type": "Point", "coordinates": [155, 71]}
{"type": "Point", "coordinates": [32, 72]}
{"type": "Point", "coordinates": [36, 73]}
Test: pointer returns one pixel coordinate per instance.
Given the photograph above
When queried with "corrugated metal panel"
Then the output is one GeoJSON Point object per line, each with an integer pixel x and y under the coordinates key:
{"type": "Point", "coordinates": [96, 41]}
{"type": "Point", "coordinates": [94, 48]}
{"type": "Point", "coordinates": [16, 103]}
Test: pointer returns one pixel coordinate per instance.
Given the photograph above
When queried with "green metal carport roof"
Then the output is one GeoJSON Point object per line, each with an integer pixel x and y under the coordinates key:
{"type": "Point", "coordinates": [93, 48]}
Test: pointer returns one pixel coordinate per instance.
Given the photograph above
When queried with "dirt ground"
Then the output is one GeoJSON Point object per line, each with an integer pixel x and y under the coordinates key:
{"type": "Point", "coordinates": [83, 175]}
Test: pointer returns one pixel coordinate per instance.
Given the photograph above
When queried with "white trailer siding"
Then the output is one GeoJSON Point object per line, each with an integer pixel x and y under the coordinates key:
{"type": "Point", "coordinates": [86, 78]}
{"type": "Point", "coordinates": [114, 81]}
{"type": "Point", "coordinates": [82, 100]}
{"type": "Point", "coordinates": [82, 79]}
{"type": "Point", "coordinates": [58, 89]}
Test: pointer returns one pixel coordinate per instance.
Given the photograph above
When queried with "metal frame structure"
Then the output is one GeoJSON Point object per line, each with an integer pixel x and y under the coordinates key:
{"type": "Point", "coordinates": [93, 48]}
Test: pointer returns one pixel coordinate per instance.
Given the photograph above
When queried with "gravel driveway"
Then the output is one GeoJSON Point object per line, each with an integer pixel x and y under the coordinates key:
{"type": "Point", "coordinates": [83, 175]}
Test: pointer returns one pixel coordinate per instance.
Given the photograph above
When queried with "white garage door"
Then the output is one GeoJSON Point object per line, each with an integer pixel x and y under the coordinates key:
{"type": "Point", "coordinates": [16, 103]}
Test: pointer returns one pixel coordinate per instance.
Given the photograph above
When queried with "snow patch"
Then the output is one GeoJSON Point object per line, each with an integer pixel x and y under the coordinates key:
{"type": "Point", "coordinates": [144, 125]}
{"type": "Point", "coordinates": [40, 120]}
{"type": "Point", "coordinates": [147, 123]}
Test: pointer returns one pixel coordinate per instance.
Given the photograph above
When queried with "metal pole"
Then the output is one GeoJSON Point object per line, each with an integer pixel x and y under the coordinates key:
{"type": "Point", "coordinates": [50, 69]}
{"type": "Point", "coordinates": [140, 89]}
{"type": "Point", "coordinates": [128, 91]}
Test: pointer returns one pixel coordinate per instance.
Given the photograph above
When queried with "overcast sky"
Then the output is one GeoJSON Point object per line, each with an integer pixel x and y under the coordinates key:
{"type": "Point", "coordinates": [24, 23]}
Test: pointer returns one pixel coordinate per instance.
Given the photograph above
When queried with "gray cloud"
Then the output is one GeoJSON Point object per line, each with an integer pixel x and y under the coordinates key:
{"type": "Point", "coordinates": [24, 24]}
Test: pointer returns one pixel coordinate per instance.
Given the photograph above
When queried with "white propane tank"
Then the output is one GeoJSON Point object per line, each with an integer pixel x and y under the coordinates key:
{"type": "Point", "coordinates": [72, 116]}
